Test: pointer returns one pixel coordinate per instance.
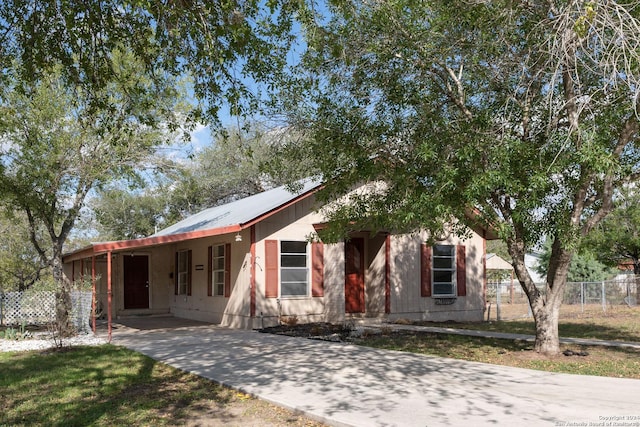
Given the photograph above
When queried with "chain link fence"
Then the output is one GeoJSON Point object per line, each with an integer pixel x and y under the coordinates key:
{"type": "Point", "coordinates": [39, 308]}
{"type": "Point", "coordinates": [507, 300]}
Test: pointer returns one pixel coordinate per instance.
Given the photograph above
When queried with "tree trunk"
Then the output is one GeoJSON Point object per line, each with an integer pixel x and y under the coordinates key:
{"type": "Point", "coordinates": [63, 296]}
{"type": "Point", "coordinates": [546, 321]}
{"type": "Point", "coordinates": [545, 306]}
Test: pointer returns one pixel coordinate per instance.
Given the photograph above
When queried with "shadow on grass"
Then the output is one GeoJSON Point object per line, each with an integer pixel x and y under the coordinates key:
{"type": "Point", "coordinates": [602, 329]}
{"type": "Point", "coordinates": [104, 385]}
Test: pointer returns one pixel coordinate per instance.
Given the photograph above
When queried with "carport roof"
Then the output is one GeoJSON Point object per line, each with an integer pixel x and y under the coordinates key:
{"type": "Point", "coordinates": [228, 218]}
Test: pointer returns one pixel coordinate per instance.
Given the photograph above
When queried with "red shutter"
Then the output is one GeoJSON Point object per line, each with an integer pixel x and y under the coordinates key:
{"type": "Point", "coordinates": [189, 272]}
{"type": "Point", "coordinates": [461, 270]}
{"type": "Point", "coordinates": [425, 270]}
{"type": "Point", "coordinates": [271, 268]}
{"type": "Point", "coordinates": [210, 271]}
{"type": "Point", "coordinates": [317, 272]}
{"type": "Point", "coordinates": [227, 270]}
{"type": "Point", "coordinates": [175, 276]}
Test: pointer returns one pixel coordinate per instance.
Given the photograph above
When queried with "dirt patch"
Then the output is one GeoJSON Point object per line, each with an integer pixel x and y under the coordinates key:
{"type": "Point", "coordinates": [325, 331]}
{"type": "Point", "coordinates": [244, 411]}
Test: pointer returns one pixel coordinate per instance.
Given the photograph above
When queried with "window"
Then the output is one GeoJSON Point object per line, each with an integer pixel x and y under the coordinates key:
{"type": "Point", "coordinates": [444, 270]}
{"type": "Point", "coordinates": [293, 269]}
{"type": "Point", "coordinates": [183, 273]}
{"type": "Point", "coordinates": [218, 269]}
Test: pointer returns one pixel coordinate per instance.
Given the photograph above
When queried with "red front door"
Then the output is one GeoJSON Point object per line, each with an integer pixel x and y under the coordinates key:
{"type": "Point", "coordinates": [136, 281]}
{"type": "Point", "coordinates": [354, 276]}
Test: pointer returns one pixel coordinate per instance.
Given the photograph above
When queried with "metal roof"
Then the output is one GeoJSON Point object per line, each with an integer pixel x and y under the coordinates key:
{"type": "Point", "coordinates": [238, 212]}
{"type": "Point", "coordinates": [228, 218]}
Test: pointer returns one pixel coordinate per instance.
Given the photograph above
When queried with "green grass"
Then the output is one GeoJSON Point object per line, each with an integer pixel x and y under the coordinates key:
{"type": "Point", "coordinates": [618, 324]}
{"type": "Point", "coordinates": [602, 361]}
{"type": "Point", "coordinates": [101, 386]}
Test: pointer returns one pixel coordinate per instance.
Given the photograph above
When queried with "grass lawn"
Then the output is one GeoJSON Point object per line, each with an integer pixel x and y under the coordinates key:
{"type": "Point", "coordinates": [602, 361]}
{"type": "Point", "coordinates": [618, 324]}
{"type": "Point", "coordinates": [112, 386]}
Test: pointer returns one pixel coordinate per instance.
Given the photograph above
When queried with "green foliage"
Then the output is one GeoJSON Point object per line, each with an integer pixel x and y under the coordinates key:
{"type": "Point", "coordinates": [516, 116]}
{"type": "Point", "coordinates": [584, 266]}
{"type": "Point", "coordinates": [20, 264]}
{"type": "Point", "coordinates": [13, 334]}
{"type": "Point", "coordinates": [617, 238]}
{"type": "Point", "coordinates": [453, 106]}
{"type": "Point", "coordinates": [232, 168]}
{"type": "Point", "coordinates": [225, 46]}
{"type": "Point", "coordinates": [124, 215]}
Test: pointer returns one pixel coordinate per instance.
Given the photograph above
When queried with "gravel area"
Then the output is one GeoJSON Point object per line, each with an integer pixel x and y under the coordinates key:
{"type": "Point", "coordinates": [43, 341]}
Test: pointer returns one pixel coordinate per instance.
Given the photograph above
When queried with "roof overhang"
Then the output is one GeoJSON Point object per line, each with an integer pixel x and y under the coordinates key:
{"type": "Point", "coordinates": [96, 249]}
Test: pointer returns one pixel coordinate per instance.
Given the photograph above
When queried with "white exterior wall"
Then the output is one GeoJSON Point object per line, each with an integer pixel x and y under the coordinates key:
{"type": "Point", "coordinates": [230, 311]}
{"type": "Point", "coordinates": [293, 223]}
{"type": "Point", "coordinates": [406, 299]}
{"type": "Point", "coordinates": [296, 223]}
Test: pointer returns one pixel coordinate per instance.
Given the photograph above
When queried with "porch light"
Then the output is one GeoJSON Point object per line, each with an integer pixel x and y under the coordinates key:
{"type": "Point", "coordinates": [238, 238]}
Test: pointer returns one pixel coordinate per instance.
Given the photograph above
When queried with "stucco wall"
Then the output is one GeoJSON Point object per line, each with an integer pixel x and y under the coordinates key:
{"type": "Point", "coordinates": [406, 301]}
{"type": "Point", "coordinates": [296, 222]}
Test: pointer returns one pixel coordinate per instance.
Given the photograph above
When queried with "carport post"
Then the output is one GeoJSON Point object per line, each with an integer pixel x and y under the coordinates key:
{"type": "Point", "coordinates": [93, 293]}
{"type": "Point", "coordinates": [109, 295]}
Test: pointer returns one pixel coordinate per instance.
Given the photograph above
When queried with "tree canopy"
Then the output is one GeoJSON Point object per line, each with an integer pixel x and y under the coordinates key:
{"type": "Point", "coordinates": [57, 145]}
{"type": "Point", "coordinates": [229, 48]}
{"type": "Point", "coordinates": [616, 240]}
{"type": "Point", "coordinates": [524, 113]}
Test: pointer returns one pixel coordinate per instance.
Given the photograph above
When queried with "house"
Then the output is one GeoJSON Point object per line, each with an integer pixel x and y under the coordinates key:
{"type": "Point", "coordinates": [251, 262]}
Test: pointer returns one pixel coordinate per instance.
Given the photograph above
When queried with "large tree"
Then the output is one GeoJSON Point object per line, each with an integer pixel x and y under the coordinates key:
{"type": "Point", "coordinates": [21, 266]}
{"type": "Point", "coordinates": [616, 240]}
{"type": "Point", "coordinates": [232, 167]}
{"type": "Point", "coordinates": [228, 47]}
{"type": "Point", "coordinates": [57, 145]}
{"type": "Point", "coordinates": [523, 113]}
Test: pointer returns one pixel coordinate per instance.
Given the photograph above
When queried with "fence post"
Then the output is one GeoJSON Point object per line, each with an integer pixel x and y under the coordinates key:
{"type": "Point", "coordinates": [604, 299]}
{"type": "Point", "coordinates": [582, 297]}
{"type": "Point", "coordinates": [1, 308]}
{"type": "Point", "coordinates": [498, 292]}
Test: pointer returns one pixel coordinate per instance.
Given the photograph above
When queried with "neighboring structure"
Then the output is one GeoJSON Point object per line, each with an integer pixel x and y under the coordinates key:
{"type": "Point", "coordinates": [249, 263]}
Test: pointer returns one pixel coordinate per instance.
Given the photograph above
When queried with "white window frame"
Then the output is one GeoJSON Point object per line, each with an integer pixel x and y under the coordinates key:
{"type": "Point", "coordinates": [438, 271]}
{"type": "Point", "coordinates": [283, 270]}
{"type": "Point", "coordinates": [218, 270]}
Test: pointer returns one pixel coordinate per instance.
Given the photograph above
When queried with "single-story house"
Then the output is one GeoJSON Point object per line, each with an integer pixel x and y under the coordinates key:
{"type": "Point", "coordinates": [253, 262]}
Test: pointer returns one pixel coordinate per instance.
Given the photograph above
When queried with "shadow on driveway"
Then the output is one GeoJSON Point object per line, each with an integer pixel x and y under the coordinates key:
{"type": "Point", "coordinates": [344, 384]}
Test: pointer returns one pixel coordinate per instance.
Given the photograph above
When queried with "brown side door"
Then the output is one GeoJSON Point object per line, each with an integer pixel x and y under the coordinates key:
{"type": "Point", "coordinates": [354, 276]}
{"type": "Point", "coordinates": [136, 281]}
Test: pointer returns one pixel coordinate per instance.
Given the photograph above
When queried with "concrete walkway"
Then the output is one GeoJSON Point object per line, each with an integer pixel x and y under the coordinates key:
{"type": "Point", "coordinates": [502, 335]}
{"type": "Point", "coordinates": [348, 385]}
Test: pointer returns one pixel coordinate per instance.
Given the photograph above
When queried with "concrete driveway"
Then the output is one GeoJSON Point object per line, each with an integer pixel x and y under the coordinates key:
{"type": "Point", "coordinates": [343, 384]}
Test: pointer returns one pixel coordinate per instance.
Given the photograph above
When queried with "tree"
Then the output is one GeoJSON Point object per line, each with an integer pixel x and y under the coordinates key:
{"type": "Point", "coordinates": [584, 266]}
{"type": "Point", "coordinates": [226, 46]}
{"type": "Point", "coordinates": [617, 238]}
{"type": "Point", "coordinates": [58, 146]}
{"type": "Point", "coordinates": [523, 113]}
{"type": "Point", "coordinates": [232, 168]}
{"type": "Point", "coordinates": [20, 265]}
{"type": "Point", "coordinates": [124, 215]}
